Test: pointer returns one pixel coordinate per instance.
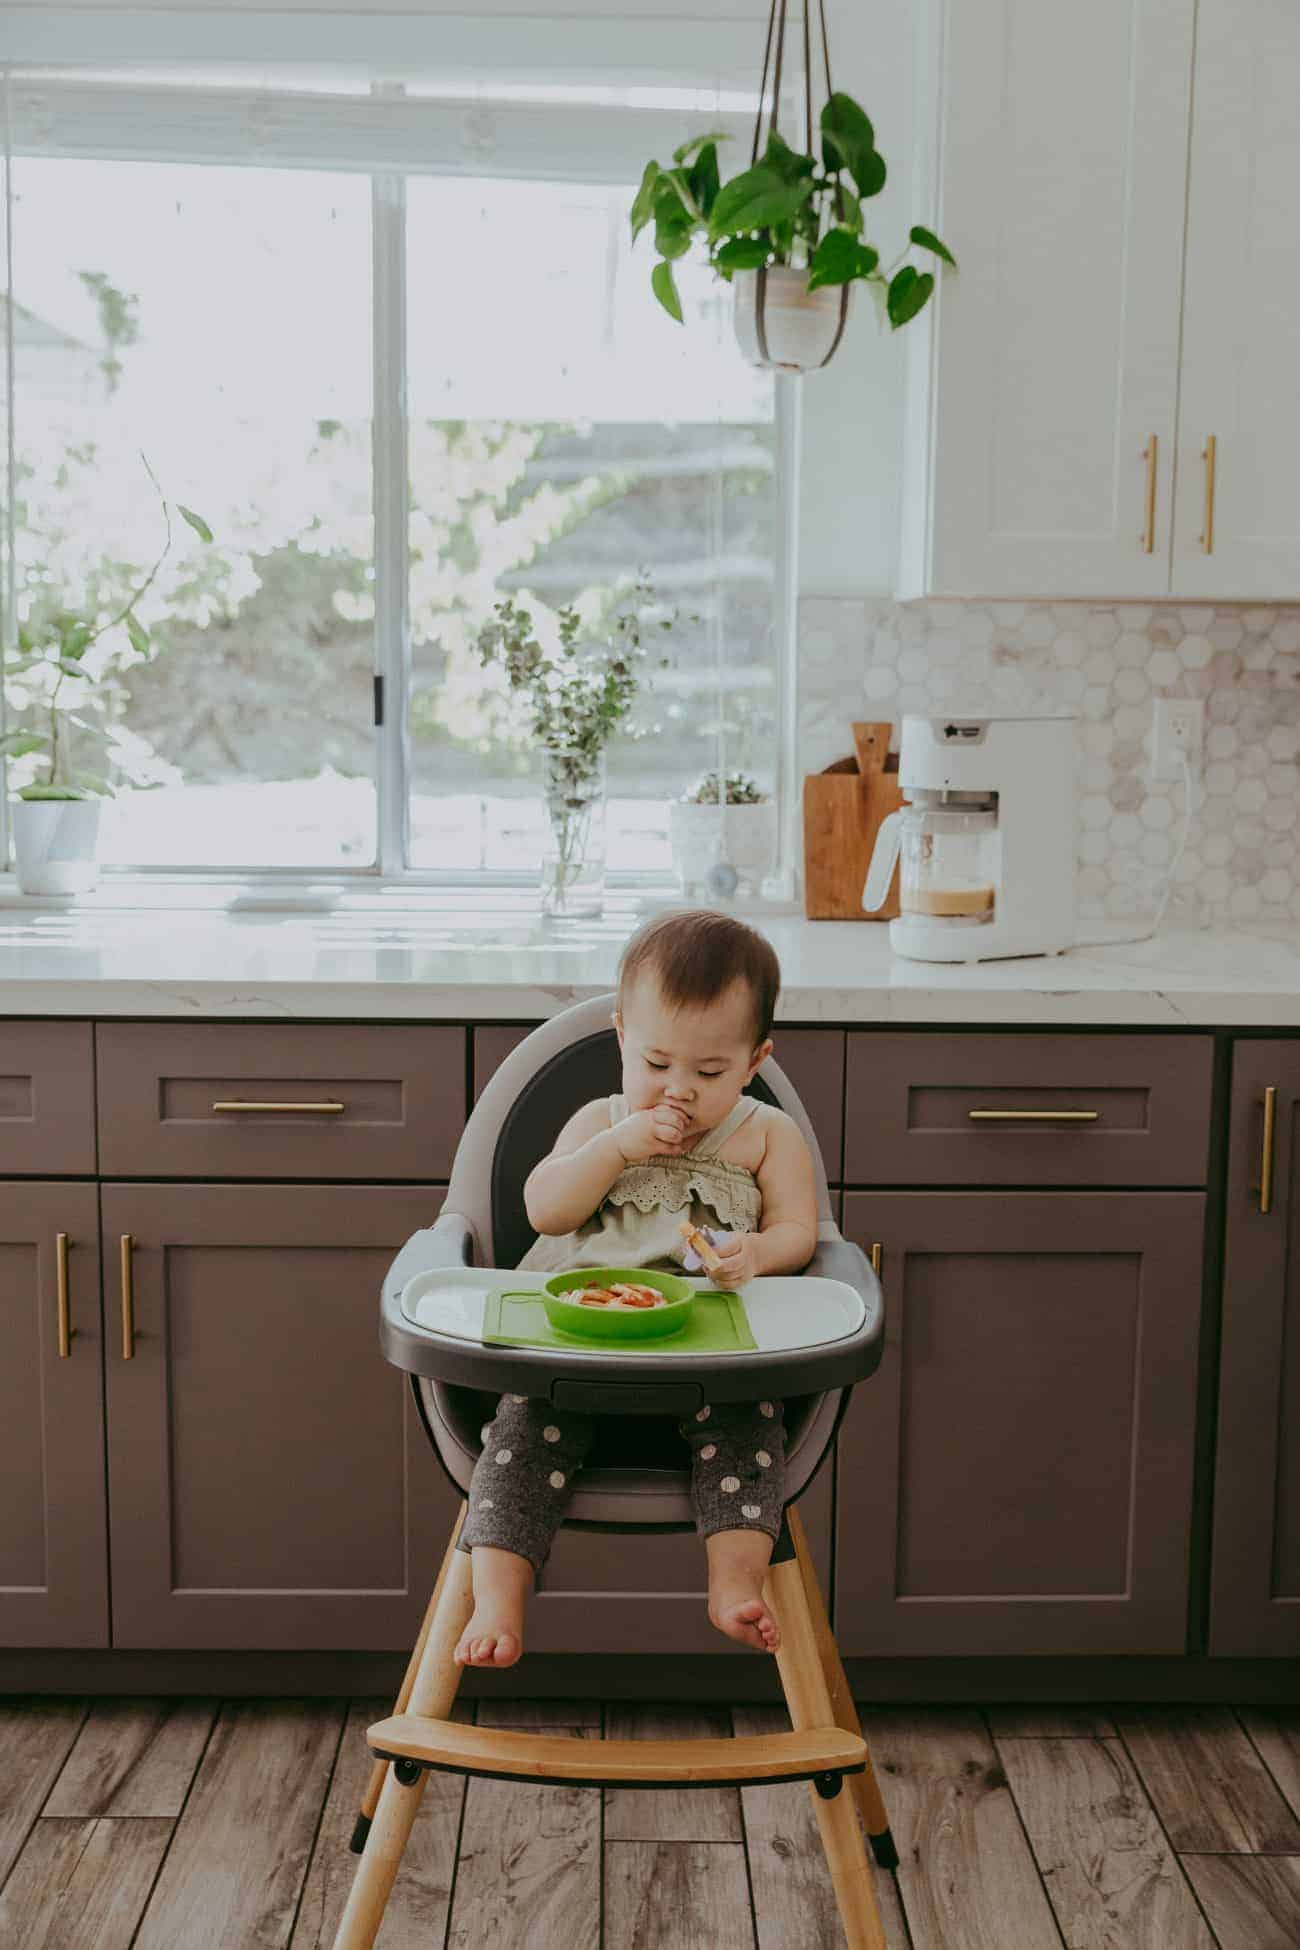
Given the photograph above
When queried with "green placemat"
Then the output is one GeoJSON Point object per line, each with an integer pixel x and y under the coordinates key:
{"type": "Point", "coordinates": [717, 1324]}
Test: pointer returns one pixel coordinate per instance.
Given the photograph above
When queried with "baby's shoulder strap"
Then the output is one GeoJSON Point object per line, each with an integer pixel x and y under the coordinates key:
{"type": "Point", "coordinates": [712, 1142]}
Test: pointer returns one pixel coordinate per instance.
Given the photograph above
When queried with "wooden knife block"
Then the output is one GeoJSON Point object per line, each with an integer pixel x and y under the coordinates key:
{"type": "Point", "coordinates": [842, 811]}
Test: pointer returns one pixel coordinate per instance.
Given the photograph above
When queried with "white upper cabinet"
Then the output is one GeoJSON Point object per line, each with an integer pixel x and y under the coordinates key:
{"type": "Point", "coordinates": [1241, 316]}
{"type": "Point", "coordinates": [1040, 449]}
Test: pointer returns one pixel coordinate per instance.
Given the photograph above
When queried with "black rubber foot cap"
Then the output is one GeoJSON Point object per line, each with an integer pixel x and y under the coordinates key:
{"type": "Point", "coordinates": [359, 1833]}
{"type": "Point", "coordinates": [882, 1847]}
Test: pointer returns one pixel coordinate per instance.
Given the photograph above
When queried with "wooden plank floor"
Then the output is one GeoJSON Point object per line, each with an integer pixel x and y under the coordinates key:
{"type": "Point", "coordinates": [203, 1825]}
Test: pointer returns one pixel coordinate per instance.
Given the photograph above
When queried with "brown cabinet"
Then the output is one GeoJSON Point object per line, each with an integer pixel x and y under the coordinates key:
{"type": "Point", "coordinates": [53, 1562]}
{"type": "Point", "coordinates": [294, 1100]}
{"type": "Point", "coordinates": [1255, 1562]}
{"type": "Point", "coordinates": [931, 1108]}
{"type": "Point", "coordinates": [269, 1483]}
{"type": "Point", "coordinates": [47, 1100]}
{"type": "Point", "coordinates": [1017, 1476]}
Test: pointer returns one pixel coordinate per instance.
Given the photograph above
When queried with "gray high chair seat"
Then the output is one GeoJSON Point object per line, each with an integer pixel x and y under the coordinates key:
{"type": "Point", "coordinates": [633, 1479]}
{"type": "Point", "coordinates": [636, 1472]}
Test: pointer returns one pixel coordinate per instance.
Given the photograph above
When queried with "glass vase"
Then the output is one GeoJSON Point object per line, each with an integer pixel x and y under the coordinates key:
{"type": "Point", "coordinates": [573, 864]}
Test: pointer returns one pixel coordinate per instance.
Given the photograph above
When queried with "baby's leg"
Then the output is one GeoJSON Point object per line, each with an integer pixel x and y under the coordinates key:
{"type": "Point", "coordinates": [738, 1489]}
{"type": "Point", "coordinates": [521, 1483]}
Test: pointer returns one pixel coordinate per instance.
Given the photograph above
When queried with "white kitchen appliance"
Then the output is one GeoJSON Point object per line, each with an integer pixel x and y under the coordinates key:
{"type": "Point", "coordinates": [986, 840]}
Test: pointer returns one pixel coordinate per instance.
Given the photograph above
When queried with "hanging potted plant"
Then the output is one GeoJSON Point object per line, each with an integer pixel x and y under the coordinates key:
{"type": "Point", "coordinates": [788, 233]}
{"type": "Point", "coordinates": [574, 700]}
{"type": "Point", "coordinates": [734, 826]}
{"type": "Point", "coordinates": [51, 679]}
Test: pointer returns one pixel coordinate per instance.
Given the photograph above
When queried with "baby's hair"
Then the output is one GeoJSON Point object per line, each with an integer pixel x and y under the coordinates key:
{"type": "Point", "coordinates": [697, 957]}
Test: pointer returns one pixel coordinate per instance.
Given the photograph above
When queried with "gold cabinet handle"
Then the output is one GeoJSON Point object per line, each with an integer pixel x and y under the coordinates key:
{"type": "Point", "coordinates": [1210, 457]}
{"type": "Point", "coordinates": [1034, 1116]}
{"type": "Point", "coordinates": [876, 1257]}
{"type": "Point", "coordinates": [1149, 455]}
{"type": "Point", "coordinates": [128, 1300]}
{"type": "Point", "coordinates": [1266, 1149]}
{"type": "Point", "coordinates": [240, 1103]}
{"type": "Point", "coordinates": [61, 1281]}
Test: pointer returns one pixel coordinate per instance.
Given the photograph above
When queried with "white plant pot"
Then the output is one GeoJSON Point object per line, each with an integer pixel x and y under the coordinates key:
{"type": "Point", "coordinates": [800, 325]}
{"type": "Point", "coordinates": [54, 844]}
{"type": "Point", "coordinates": [699, 840]}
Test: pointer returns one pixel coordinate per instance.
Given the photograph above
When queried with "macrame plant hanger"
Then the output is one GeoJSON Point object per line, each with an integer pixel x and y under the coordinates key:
{"type": "Point", "coordinates": [776, 26]}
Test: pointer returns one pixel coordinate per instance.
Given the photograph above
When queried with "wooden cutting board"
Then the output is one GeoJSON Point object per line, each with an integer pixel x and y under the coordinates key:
{"type": "Point", "coordinates": [842, 810]}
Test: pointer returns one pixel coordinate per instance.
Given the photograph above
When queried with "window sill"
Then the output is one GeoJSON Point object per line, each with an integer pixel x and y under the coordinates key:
{"type": "Point", "coordinates": [462, 906]}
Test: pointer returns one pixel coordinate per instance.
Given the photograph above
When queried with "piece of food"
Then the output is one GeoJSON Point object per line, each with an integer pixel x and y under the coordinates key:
{"type": "Point", "coordinates": [622, 1293]}
{"type": "Point", "coordinates": [698, 1244]}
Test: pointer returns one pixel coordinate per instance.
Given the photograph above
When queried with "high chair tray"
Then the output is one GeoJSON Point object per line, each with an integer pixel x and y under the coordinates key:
{"type": "Point", "coordinates": [810, 1332]}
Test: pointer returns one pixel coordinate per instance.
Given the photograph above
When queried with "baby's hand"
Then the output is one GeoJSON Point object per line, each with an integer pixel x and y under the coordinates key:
{"type": "Point", "coordinates": [650, 1133]}
{"type": "Point", "coordinates": [737, 1260]}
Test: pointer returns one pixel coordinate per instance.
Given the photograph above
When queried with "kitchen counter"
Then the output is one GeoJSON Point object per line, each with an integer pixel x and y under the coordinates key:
{"type": "Point", "coordinates": [382, 956]}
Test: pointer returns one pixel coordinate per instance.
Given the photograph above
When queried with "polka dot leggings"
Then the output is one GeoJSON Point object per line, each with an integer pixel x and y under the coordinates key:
{"type": "Point", "coordinates": [531, 1452]}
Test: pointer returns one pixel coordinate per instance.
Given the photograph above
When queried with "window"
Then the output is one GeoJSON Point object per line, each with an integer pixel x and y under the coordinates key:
{"type": "Point", "coordinates": [561, 434]}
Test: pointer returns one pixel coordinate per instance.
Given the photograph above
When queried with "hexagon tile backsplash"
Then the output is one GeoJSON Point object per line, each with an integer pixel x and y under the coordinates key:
{"type": "Point", "coordinates": [1105, 663]}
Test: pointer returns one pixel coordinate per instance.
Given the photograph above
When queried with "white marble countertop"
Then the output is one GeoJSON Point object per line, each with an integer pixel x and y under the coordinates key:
{"type": "Point", "coordinates": [383, 956]}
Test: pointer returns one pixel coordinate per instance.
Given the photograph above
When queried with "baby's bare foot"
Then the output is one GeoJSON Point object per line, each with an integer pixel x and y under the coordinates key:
{"type": "Point", "coordinates": [493, 1637]}
{"type": "Point", "coordinates": [739, 1611]}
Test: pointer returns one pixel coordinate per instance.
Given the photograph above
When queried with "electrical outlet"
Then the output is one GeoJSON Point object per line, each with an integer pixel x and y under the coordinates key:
{"type": "Point", "coordinates": [1177, 731]}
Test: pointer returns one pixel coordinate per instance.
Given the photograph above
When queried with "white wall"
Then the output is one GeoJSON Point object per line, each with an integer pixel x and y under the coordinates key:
{"type": "Point", "coordinates": [853, 412]}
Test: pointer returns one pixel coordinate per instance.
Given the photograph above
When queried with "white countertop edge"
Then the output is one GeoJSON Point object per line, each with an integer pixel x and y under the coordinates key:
{"type": "Point", "coordinates": [468, 965]}
{"type": "Point", "coordinates": [415, 1002]}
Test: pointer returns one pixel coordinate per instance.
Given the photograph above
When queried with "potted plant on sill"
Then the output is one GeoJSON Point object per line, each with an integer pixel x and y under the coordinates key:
{"type": "Point", "coordinates": [574, 699]}
{"type": "Point", "coordinates": [788, 232]}
{"type": "Point", "coordinates": [734, 827]}
{"type": "Point", "coordinates": [55, 815]}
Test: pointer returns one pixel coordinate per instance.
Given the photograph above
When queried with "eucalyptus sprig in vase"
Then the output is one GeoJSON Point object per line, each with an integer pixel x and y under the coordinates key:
{"type": "Point", "coordinates": [575, 699]}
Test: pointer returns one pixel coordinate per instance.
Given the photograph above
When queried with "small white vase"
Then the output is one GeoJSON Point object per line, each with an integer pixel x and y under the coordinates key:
{"type": "Point", "coordinates": [700, 840]}
{"type": "Point", "coordinates": [54, 844]}
{"type": "Point", "coordinates": [800, 325]}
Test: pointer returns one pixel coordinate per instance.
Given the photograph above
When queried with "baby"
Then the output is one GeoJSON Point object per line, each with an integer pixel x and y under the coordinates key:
{"type": "Point", "coordinates": [696, 997]}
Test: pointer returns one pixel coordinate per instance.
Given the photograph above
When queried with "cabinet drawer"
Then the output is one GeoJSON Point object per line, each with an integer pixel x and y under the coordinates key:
{"type": "Point", "coordinates": [181, 1101]}
{"type": "Point", "coordinates": [47, 1099]}
{"type": "Point", "coordinates": [930, 1109]}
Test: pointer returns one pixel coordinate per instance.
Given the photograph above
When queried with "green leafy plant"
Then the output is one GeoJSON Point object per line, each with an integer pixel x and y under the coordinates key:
{"type": "Point", "coordinates": [578, 697]}
{"type": "Point", "coordinates": [52, 653]}
{"type": "Point", "coordinates": [575, 701]}
{"type": "Point", "coordinates": [740, 790]}
{"type": "Point", "coordinates": [785, 209]}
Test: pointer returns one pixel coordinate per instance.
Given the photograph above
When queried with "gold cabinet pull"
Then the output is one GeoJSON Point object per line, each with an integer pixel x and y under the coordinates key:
{"type": "Point", "coordinates": [1034, 1116]}
{"type": "Point", "coordinates": [1149, 455]}
{"type": "Point", "coordinates": [128, 1300]}
{"type": "Point", "coordinates": [61, 1282]}
{"type": "Point", "coordinates": [876, 1257]}
{"type": "Point", "coordinates": [240, 1103]}
{"type": "Point", "coordinates": [1209, 456]}
{"type": "Point", "coordinates": [1266, 1149]}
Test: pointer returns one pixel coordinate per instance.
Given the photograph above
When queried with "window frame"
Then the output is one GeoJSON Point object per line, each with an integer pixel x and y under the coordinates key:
{"type": "Point", "coordinates": [102, 120]}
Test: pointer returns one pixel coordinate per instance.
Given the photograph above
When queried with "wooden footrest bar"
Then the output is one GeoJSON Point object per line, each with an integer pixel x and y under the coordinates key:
{"type": "Point", "coordinates": [506, 1755]}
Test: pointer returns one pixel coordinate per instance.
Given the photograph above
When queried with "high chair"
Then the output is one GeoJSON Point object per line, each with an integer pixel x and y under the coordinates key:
{"type": "Point", "coordinates": [809, 1355]}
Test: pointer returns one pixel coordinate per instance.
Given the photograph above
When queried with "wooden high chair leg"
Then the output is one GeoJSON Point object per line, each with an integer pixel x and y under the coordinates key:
{"type": "Point", "coordinates": [808, 1699]}
{"type": "Point", "coordinates": [866, 1788]}
{"type": "Point", "coordinates": [432, 1693]}
{"type": "Point", "coordinates": [374, 1786]}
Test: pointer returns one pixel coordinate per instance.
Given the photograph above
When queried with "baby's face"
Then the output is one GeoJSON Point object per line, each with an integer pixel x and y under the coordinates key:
{"type": "Point", "coordinates": [698, 1059]}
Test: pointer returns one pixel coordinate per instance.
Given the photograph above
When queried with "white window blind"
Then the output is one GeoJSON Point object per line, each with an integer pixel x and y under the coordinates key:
{"type": "Point", "coordinates": [583, 142]}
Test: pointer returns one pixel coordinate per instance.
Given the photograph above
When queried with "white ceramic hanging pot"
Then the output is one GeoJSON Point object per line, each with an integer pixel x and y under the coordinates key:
{"type": "Point", "coordinates": [801, 328]}
{"type": "Point", "coordinates": [54, 844]}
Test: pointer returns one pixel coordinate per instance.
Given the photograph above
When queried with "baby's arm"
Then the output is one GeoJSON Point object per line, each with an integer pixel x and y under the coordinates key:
{"type": "Point", "coordinates": [787, 1236]}
{"type": "Point", "coordinates": [566, 1187]}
